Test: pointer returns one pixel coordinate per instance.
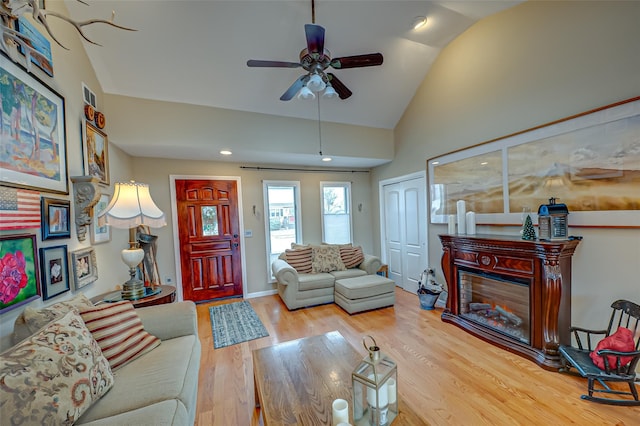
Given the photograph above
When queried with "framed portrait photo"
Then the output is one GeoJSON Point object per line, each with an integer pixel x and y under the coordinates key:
{"type": "Point", "coordinates": [54, 270]}
{"type": "Point", "coordinates": [100, 233]}
{"type": "Point", "coordinates": [85, 267]}
{"type": "Point", "coordinates": [20, 283]}
{"type": "Point", "coordinates": [30, 100]}
{"type": "Point", "coordinates": [96, 152]}
{"type": "Point", "coordinates": [55, 218]}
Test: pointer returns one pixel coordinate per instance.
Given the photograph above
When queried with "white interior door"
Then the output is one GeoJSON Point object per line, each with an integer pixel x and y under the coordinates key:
{"type": "Point", "coordinates": [405, 231]}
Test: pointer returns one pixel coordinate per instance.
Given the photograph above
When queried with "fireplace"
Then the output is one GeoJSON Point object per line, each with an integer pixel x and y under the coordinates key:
{"type": "Point", "coordinates": [513, 293]}
{"type": "Point", "coordinates": [498, 303]}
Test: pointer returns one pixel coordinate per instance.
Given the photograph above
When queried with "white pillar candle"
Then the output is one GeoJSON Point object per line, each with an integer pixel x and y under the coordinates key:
{"type": "Point", "coordinates": [462, 218]}
{"type": "Point", "coordinates": [392, 390]}
{"type": "Point", "coordinates": [340, 409]}
{"type": "Point", "coordinates": [383, 395]}
{"type": "Point", "coordinates": [471, 223]}
{"type": "Point", "coordinates": [451, 222]}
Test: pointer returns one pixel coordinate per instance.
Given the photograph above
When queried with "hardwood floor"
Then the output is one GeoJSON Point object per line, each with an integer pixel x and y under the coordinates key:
{"type": "Point", "coordinates": [446, 375]}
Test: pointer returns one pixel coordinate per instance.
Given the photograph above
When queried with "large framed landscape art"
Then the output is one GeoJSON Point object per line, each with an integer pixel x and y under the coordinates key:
{"type": "Point", "coordinates": [589, 161]}
{"type": "Point", "coordinates": [32, 132]}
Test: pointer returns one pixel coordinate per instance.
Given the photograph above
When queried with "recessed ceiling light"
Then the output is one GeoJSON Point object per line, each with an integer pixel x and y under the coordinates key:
{"type": "Point", "coordinates": [225, 152]}
{"type": "Point", "coordinates": [484, 163]}
{"type": "Point", "coordinates": [435, 162]}
{"type": "Point", "coordinates": [419, 22]}
{"type": "Point", "coordinates": [325, 159]}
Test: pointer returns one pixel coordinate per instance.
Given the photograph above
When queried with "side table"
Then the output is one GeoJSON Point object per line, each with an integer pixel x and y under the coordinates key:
{"type": "Point", "coordinates": [167, 294]}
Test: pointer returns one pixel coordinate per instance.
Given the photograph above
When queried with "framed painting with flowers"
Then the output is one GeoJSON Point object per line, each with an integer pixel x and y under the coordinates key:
{"type": "Point", "coordinates": [85, 268]}
{"type": "Point", "coordinates": [19, 280]}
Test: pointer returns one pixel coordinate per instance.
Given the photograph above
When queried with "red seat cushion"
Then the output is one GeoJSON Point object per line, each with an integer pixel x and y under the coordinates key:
{"type": "Point", "coordinates": [621, 340]}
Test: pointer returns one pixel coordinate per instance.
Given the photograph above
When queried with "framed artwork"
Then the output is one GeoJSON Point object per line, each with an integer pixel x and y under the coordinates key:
{"type": "Point", "coordinates": [20, 282]}
{"type": "Point", "coordinates": [100, 233]}
{"type": "Point", "coordinates": [39, 42]}
{"type": "Point", "coordinates": [96, 153]}
{"type": "Point", "coordinates": [55, 218]}
{"type": "Point", "coordinates": [589, 161]}
{"type": "Point", "coordinates": [85, 267]}
{"type": "Point", "coordinates": [32, 156]}
{"type": "Point", "coordinates": [54, 270]}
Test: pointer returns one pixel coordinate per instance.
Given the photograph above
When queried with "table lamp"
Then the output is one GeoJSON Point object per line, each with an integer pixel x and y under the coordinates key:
{"type": "Point", "coordinates": [130, 206]}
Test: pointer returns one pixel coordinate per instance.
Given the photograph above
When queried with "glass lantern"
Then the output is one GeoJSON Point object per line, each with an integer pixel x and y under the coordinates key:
{"type": "Point", "coordinates": [375, 392]}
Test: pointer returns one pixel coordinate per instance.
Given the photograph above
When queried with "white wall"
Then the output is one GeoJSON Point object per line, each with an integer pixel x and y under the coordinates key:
{"type": "Point", "coordinates": [526, 66]}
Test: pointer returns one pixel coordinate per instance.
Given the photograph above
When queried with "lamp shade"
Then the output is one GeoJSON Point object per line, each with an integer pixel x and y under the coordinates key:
{"type": "Point", "coordinates": [315, 83]}
{"type": "Point", "coordinates": [305, 93]}
{"type": "Point", "coordinates": [131, 205]}
{"type": "Point", "coordinates": [330, 92]}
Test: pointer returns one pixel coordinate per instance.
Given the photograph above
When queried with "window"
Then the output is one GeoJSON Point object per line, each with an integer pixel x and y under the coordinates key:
{"type": "Point", "coordinates": [282, 217]}
{"type": "Point", "coordinates": [336, 212]}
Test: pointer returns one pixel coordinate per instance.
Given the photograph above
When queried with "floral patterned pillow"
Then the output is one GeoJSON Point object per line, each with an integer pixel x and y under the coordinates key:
{"type": "Point", "coordinates": [326, 258]}
{"type": "Point", "coordinates": [38, 318]}
{"type": "Point", "coordinates": [54, 376]}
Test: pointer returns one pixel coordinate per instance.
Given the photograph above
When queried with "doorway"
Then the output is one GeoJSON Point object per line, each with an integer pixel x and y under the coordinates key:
{"type": "Point", "coordinates": [207, 235]}
{"type": "Point", "coordinates": [404, 228]}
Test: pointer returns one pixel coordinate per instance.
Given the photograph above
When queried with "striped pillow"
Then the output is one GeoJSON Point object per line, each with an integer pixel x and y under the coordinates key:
{"type": "Point", "coordinates": [351, 256]}
{"type": "Point", "coordinates": [119, 332]}
{"type": "Point", "coordinates": [300, 259]}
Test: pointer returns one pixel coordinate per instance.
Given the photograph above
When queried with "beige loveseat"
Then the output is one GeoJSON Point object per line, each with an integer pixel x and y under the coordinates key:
{"type": "Point", "coordinates": [298, 290]}
{"type": "Point", "coordinates": [158, 388]}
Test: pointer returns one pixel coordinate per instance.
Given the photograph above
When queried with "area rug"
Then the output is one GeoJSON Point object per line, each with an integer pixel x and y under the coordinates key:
{"type": "Point", "coordinates": [235, 323]}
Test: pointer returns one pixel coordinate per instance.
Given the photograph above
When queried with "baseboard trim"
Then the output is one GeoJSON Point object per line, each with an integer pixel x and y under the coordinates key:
{"type": "Point", "coordinates": [261, 293]}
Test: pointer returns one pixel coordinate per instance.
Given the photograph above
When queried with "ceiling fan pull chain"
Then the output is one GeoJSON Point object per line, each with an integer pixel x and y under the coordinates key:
{"type": "Point", "coordinates": [319, 127]}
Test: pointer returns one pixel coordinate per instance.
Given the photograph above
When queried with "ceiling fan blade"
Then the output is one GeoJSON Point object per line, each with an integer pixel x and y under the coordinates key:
{"type": "Point", "coordinates": [294, 88]}
{"type": "Point", "coordinates": [358, 61]}
{"type": "Point", "coordinates": [341, 89]}
{"type": "Point", "coordinates": [272, 64]}
{"type": "Point", "coordinates": [315, 40]}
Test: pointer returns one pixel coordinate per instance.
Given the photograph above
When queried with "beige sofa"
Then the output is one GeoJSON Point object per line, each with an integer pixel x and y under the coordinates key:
{"type": "Point", "coordinates": [299, 290]}
{"type": "Point", "coordinates": [161, 386]}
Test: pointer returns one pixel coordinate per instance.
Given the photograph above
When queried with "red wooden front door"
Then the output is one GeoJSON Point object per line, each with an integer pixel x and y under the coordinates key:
{"type": "Point", "coordinates": [209, 229]}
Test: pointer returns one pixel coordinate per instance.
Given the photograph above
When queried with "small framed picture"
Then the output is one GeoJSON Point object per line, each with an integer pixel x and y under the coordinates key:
{"type": "Point", "coordinates": [54, 270]}
{"type": "Point", "coordinates": [55, 218]}
{"type": "Point", "coordinates": [96, 152]}
{"type": "Point", "coordinates": [85, 268]}
{"type": "Point", "coordinates": [100, 233]}
{"type": "Point", "coordinates": [20, 282]}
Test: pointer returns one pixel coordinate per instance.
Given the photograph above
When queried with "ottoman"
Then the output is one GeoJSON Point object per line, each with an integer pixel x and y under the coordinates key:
{"type": "Point", "coordinates": [364, 293]}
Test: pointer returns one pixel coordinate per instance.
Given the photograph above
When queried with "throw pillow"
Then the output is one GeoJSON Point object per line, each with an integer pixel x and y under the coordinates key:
{"type": "Point", "coordinates": [326, 259]}
{"type": "Point", "coordinates": [299, 259]}
{"type": "Point", "coordinates": [621, 340]}
{"type": "Point", "coordinates": [53, 376]}
{"type": "Point", "coordinates": [351, 256]}
{"type": "Point", "coordinates": [119, 331]}
{"type": "Point", "coordinates": [38, 318]}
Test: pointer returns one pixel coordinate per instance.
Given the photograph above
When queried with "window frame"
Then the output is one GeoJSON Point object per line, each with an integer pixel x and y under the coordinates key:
{"type": "Point", "coordinates": [266, 184]}
{"type": "Point", "coordinates": [348, 200]}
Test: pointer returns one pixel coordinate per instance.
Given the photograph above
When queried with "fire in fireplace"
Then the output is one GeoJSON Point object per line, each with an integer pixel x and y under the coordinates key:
{"type": "Point", "coordinates": [495, 302]}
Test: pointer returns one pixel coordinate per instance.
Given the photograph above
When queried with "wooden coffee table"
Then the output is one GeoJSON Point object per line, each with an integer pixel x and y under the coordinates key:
{"type": "Point", "coordinates": [297, 381]}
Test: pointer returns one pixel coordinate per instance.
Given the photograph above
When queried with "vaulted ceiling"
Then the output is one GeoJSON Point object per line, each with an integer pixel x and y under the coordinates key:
{"type": "Point", "coordinates": [195, 51]}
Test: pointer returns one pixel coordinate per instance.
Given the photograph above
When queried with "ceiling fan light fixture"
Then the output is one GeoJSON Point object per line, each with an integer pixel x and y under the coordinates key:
{"type": "Point", "coordinates": [419, 22]}
{"type": "Point", "coordinates": [330, 92]}
{"type": "Point", "coordinates": [315, 83]}
{"type": "Point", "coordinates": [305, 93]}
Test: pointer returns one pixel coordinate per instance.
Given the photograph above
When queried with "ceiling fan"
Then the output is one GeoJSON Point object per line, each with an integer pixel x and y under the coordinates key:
{"type": "Point", "coordinates": [315, 60]}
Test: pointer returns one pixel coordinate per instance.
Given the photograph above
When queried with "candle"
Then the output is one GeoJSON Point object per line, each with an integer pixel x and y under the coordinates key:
{"type": "Point", "coordinates": [462, 219]}
{"type": "Point", "coordinates": [383, 395]}
{"type": "Point", "coordinates": [340, 411]}
{"type": "Point", "coordinates": [451, 221]}
{"type": "Point", "coordinates": [471, 223]}
{"type": "Point", "coordinates": [392, 390]}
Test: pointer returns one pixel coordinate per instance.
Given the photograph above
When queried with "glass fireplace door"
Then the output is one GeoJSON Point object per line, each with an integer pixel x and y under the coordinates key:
{"type": "Point", "coordinates": [495, 302]}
